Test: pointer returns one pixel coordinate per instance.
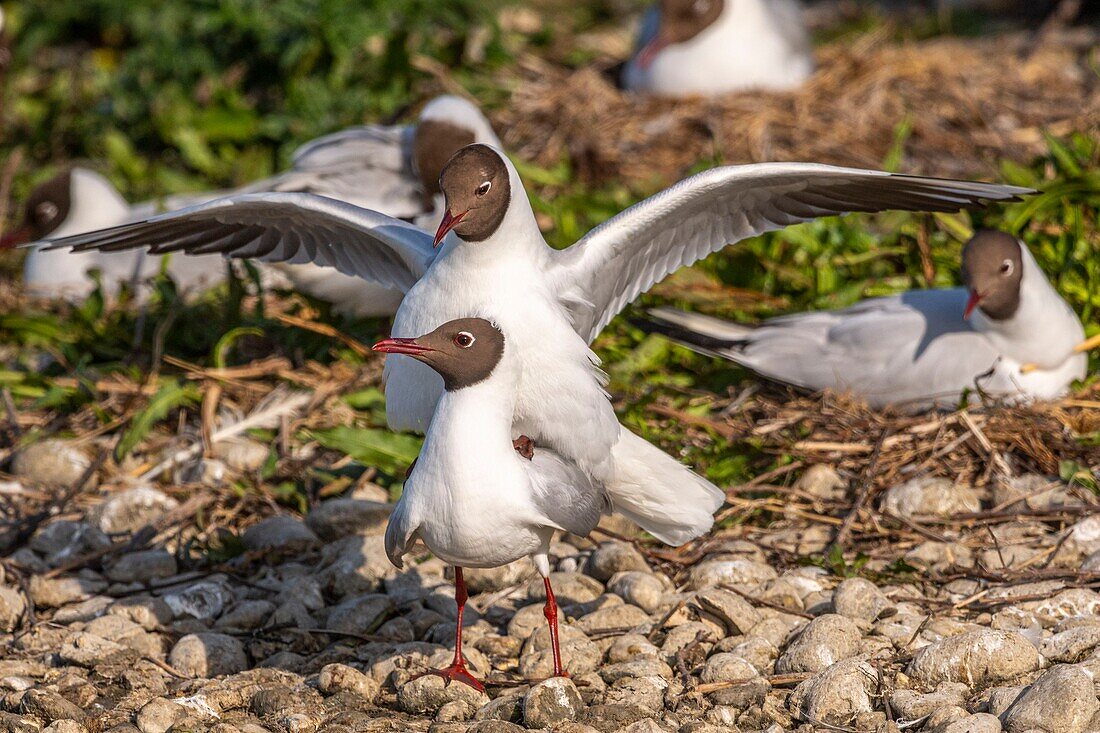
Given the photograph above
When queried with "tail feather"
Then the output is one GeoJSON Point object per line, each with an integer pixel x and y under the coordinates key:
{"type": "Point", "coordinates": [660, 494]}
{"type": "Point", "coordinates": [705, 334]}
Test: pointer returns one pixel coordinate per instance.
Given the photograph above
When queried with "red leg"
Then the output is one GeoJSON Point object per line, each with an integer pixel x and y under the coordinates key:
{"type": "Point", "coordinates": [550, 610]}
{"type": "Point", "coordinates": [457, 670]}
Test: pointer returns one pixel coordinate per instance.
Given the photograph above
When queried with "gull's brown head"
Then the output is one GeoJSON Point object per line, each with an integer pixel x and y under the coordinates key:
{"type": "Point", "coordinates": [434, 143]}
{"type": "Point", "coordinates": [680, 21]}
{"type": "Point", "coordinates": [44, 211]}
{"type": "Point", "coordinates": [477, 189]}
{"type": "Point", "coordinates": [464, 351]}
{"type": "Point", "coordinates": [992, 269]}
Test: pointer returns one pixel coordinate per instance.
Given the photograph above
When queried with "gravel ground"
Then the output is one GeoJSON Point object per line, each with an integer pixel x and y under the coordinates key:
{"type": "Point", "coordinates": [978, 626]}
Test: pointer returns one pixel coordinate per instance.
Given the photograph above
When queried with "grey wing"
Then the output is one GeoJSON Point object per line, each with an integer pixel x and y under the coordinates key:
{"type": "Point", "coordinates": [564, 495]}
{"type": "Point", "coordinates": [914, 348]}
{"type": "Point", "coordinates": [627, 254]}
{"type": "Point", "coordinates": [366, 146]}
{"type": "Point", "coordinates": [297, 228]}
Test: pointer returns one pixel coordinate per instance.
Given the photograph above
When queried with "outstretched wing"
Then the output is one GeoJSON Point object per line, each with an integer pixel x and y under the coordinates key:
{"type": "Point", "coordinates": [296, 228]}
{"type": "Point", "coordinates": [627, 254]}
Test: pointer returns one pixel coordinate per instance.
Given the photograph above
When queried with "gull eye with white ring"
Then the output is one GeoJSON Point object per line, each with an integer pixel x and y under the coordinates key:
{"type": "Point", "coordinates": [483, 188]}
{"type": "Point", "coordinates": [463, 339]}
{"type": "Point", "coordinates": [1007, 267]}
{"type": "Point", "coordinates": [46, 210]}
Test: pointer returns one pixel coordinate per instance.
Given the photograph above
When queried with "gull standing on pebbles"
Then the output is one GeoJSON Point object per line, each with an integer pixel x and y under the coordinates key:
{"type": "Point", "coordinates": [471, 498]}
{"type": "Point", "coordinates": [712, 47]}
{"type": "Point", "coordinates": [920, 349]}
{"type": "Point", "coordinates": [392, 169]}
{"type": "Point", "coordinates": [492, 262]}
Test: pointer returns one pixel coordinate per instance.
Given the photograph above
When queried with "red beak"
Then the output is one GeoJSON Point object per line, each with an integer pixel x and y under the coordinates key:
{"type": "Point", "coordinates": [972, 303]}
{"type": "Point", "coordinates": [16, 238]}
{"type": "Point", "coordinates": [401, 346]}
{"type": "Point", "coordinates": [449, 222]}
{"type": "Point", "coordinates": [650, 51]}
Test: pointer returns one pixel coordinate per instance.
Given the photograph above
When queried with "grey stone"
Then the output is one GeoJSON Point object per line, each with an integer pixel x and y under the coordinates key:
{"type": "Point", "coordinates": [980, 657]}
{"type": "Point", "coordinates": [642, 589]}
{"type": "Point", "coordinates": [836, 695]}
{"type": "Point", "coordinates": [89, 650]}
{"type": "Point", "coordinates": [1031, 491]}
{"type": "Point", "coordinates": [428, 694]}
{"type": "Point", "coordinates": [342, 678]}
{"type": "Point", "coordinates": [142, 567]}
{"type": "Point", "coordinates": [491, 580]}
{"type": "Point", "coordinates": [12, 608]}
{"type": "Point", "coordinates": [246, 615]}
{"type": "Point", "coordinates": [158, 715]}
{"type": "Point", "coordinates": [1063, 700]}
{"type": "Point", "coordinates": [204, 600]}
{"type": "Point", "coordinates": [361, 615]}
{"type": "Point", "coordinates": [122, 630]}
{"type": "Point", "coordinates": [1071, 645]}
{"type": "Point", "coordinates": [860, 600]}
{"type": "Point", "coordinates": [49, 706]}
{"type": "Point", "coordinates": [569, 588]}
{"type": "Point", "coordinates": [643, 692]}
{"type": "Point", "coordinates": [55, 592]}
{"type": "Point", "coordinates": [823, 482]}
{"type": "Point", "coordinates": [711, 573]}
{"type": "Point", "coordinates": [631, 646]}
{"type": "Point", "coordinates": [978, 723]}
{"type": "Point", "coordinates": [64, 726]}
{"type": "Point", "coordinates": [63, 541]}
{"type": "Point", "coordinates": [930, 496]}
{"type": "Point", "coordinates": [910, 704]}
{"type": "Point", "coordinates": [51, 462]}
{"type": "Point", "coordinates": [623, 616]}
{"type": "Point", "coordinates": [729, 609]}
{"type": "Point", "coordinates": [278, 531]}
{"type": "Point", "coordinates": [635, 668]}
{"type": "Point", "coordinates": [208, 655]}
{"type": "Point", "coordinates": [579, 654]}
{"type": "Point", "coordinates": [337, 518]}
{"type": "Point", "coordinates": [356, 565]}
{"type": "Point", "coordinates": [614, 557]}
{"type": "Point", "coordinates": [132, 509]}
{"type": "Point", "coordinates": [824, 641]}
{"type": "Point", "coordinates": [551, 702]}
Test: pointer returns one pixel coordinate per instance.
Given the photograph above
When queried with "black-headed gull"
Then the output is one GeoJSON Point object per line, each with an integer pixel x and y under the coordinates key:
{"type": "Point", "coordinates": [471, 498]}
{"type": "Point", "coordinates": [392, 169]}
{"type": "Point", "coordinates": [711, 47]}
{"type": "Point", "coordinates": [920, 349]}
{"type": "Point", "coordinates": [494, 263]}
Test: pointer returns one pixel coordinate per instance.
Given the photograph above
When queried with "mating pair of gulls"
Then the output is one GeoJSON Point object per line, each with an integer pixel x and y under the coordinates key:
{"type": "Point", "coordinates": [490, 349]}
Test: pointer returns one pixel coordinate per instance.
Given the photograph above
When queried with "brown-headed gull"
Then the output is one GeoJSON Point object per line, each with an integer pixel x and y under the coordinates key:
{"type": "Point", "coordinates": [920, 349]}
{"type": "Point", "coordinates": [495, 264]}
{"type": "Point", "coordinates": [392, 169]}
{"type": "Point", "coordinates": [710, 47]}
{"type": "Point", "coordinates": [471, 498]}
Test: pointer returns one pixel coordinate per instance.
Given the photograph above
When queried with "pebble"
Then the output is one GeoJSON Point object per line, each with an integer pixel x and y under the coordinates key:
{"type": "Point", "coordinates": [55, 592]}
{"type": "Point", "coordinates": [142, 567]}
{"type": "Point", "coordinates": [89, 650]}
{"type": "Point", "coordinates": [1062, 700]}
{"type": "Point", "coordinates": [342, 678]}
{"type": "Point", "coordinates": [977, 658]}
{"type": "Point", "coordinates": [49, 706]}
{"type": "Point", "coordinates": [131, 509]}
{"type": "Point", "coordinates": [204, 600]}
{"type": "Point", "coordinates": [245, 615]}
{"type": "Point", "coordinates": [642, 589]}
{"type": "Point", "coordinates": [836, 695]}
{"type": "Point", "coordinates": [977, 723]}
{"type": "Point", "coordinates": [643, 692]}
{"type": "Point", "coordinates": [551, 702]}
{"type": "Point", "coordinates": [428, 694]}
{"type": "Point", "coordinates": [729, 609]}
{"type": "Point", "coordinates": [930, 496]}
{"type": "Point", "coordinates": [64, 726]}
{"type": "Point", "coordinates": [910, 704]}
{"type": "Point", "coordinates": [578, 653]}
{"type": "Point", "coordinates": [1032, 491]}
{"type": "Point", "coordinates": [208, 655]}
{"type": "Point", "coordinates": [823, 482]}
{"type": "Point", "coordinates": [1071, 645]}
{"type": "Point", "coordinates": [824, 641]}
{"type": "Point", "coordinates": [279, 531]}
{"type": "Point", "coordinates": [12, 607]}
{"type": "Point", "coordinates": [614, 557]}
{"type": "Point", "coordinates": [860, 600]}
{"type": "Point", "coordinates": [63, 541]}
{"type": "Point", "coordinates": [158, 715]}
{"type": "Point", "coordinates": [337, 518]}
{"type": "Point", "coordinates": [623, 616]}
{"type": "Point", "coordinates": [51, 462]}
{"type": "Point", "coordinates": [711, 573]}
{"type": "Point", "coordinates": [355, 565]}
{"type": "Point", "coordinates": [492, 580]}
